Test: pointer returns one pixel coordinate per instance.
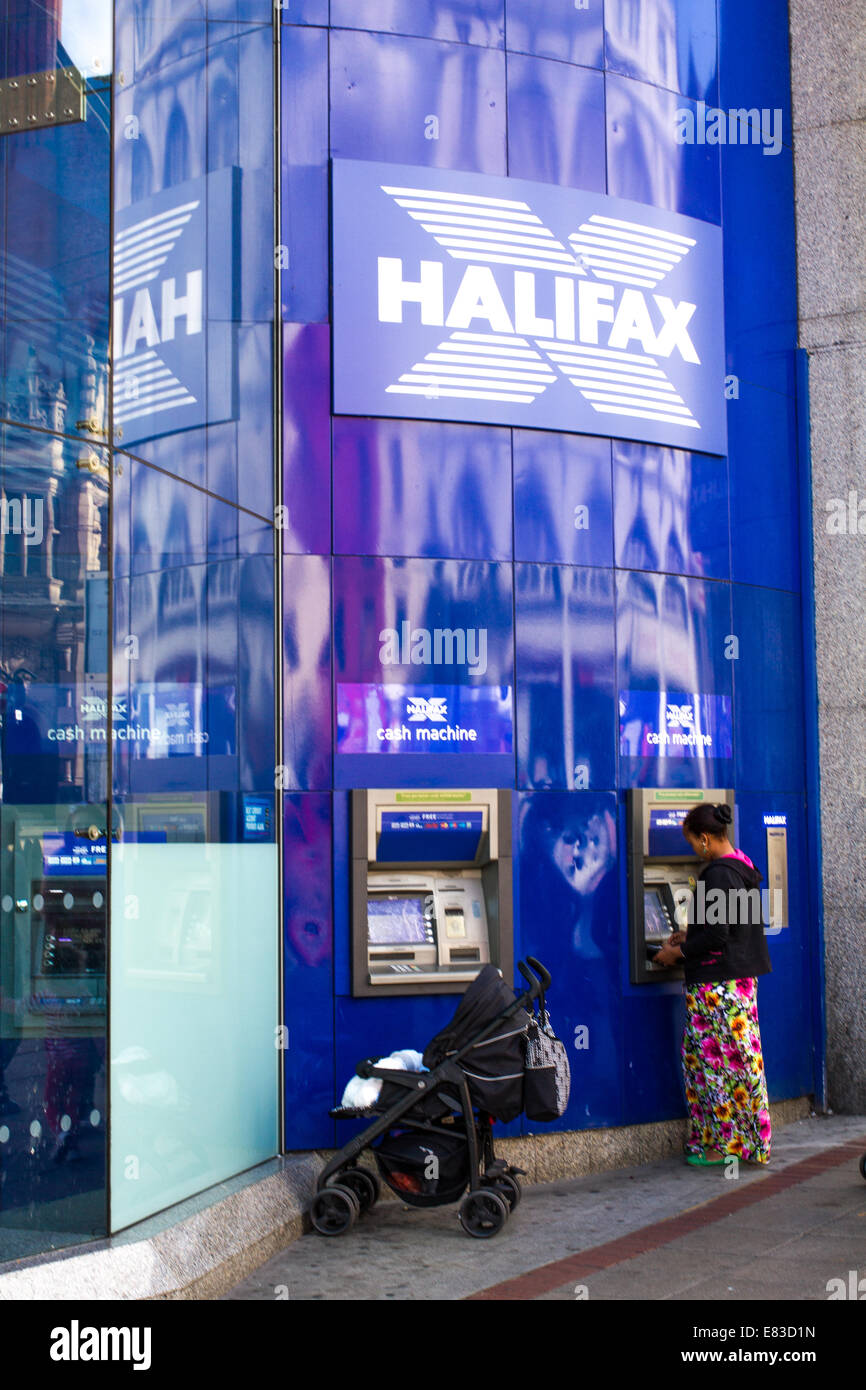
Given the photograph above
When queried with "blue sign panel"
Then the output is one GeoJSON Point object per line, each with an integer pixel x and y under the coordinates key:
{"type": "Point", "coordinates": [174, 306]}
{"type": "Point", "coordinates": [67, 855]}
{"type": "Point", "coordinates": [673, 724]}
{"type": "Point", "coordinates": [423, 718]}
{"type": "Point", "coordinates": [419, 837]}
{"type": "Point", "coordinates": [460, 296]}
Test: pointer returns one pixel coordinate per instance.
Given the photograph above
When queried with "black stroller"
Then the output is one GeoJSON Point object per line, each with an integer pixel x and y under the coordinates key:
{"type": "Point", "coordinates": [432, 1135]}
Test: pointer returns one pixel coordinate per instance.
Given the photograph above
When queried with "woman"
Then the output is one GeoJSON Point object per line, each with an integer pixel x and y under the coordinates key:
{"type": "Point", "coordinates": [723, 951]}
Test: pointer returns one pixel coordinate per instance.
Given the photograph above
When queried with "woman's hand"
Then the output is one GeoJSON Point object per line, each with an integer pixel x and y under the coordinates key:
{"type": "Point", "coordinates": [676, 938]}
{"type": "Point", "coordinates": [668, 955]}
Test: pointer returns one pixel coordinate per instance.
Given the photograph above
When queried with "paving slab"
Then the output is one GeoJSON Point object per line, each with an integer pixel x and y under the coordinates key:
{"type": "Point", "coordinates": [648, 1232]}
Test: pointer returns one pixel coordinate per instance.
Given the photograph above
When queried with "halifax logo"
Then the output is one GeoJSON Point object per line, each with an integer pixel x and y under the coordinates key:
{"type": "Point", "coordinates": [174, 293]}
{"type": "Point", "coordinates": [486, 299]}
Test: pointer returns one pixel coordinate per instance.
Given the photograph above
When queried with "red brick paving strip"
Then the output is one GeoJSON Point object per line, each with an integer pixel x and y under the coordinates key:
{"type": "Point", "coordinates": [598, 1257]}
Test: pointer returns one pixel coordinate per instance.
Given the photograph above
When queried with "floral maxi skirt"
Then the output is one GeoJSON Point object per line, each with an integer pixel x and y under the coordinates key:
{"type": "Point", "coordinates": [726, 1089]}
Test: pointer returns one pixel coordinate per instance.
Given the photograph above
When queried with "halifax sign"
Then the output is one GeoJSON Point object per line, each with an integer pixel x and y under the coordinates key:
{"type": "Point", "coordinates": [470, 297]}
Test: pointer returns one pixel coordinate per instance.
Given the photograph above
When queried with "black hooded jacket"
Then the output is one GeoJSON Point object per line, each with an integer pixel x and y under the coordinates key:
{"type": "Point", "coordinates": [726, 939]}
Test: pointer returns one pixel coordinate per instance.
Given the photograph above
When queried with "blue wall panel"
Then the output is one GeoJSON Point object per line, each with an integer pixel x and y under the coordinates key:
{"type": "Point", "coordinates": [555, 123]}
{"type": "Point", "coordinates": [671, 635]}
{"type": "Point", "coordinates": [407, 487]}
{"type": "Point", "coordinates": [644, 160]}
{"type": "Point", "coordinates": [306, 522]}
{"type": "Point", "coordinates": [416, 101]}
{"type": "Point", "coordinates": [768, 690]}
{"type": "Point", "coordinates": [566, 700]}
{"type": "Point", "coordinates": [569, 908]}
{"type": "Point", "coordinates": [755, 70]}
{"type": "Point", "coordinates": [304, 186]}
{"type": "Point", "coordinates": [308, 946]}
{"type": "Point", "coordinates": [555, 29]}
{"type": "Point", "coordinates": [760, 270]}
{"type": "Point", "coordinates": [481, 22]}
{"type": "Point", "coordinates": [671, 509]}
{"type": "Point", "coordinates": [305, 11]}
{"type": "Point", "coordinates": [562, 498]}
{"type": "Point", "coordinates": [765, 499]}
{"type": "Point", "coordinates": [307, 671]}
{"type": "Point", "coordinates": [670, 43]}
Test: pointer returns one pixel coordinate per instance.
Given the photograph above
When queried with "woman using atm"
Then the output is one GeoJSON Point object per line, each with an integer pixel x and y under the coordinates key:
{"type": "Point", "coordinates": [723, 951]}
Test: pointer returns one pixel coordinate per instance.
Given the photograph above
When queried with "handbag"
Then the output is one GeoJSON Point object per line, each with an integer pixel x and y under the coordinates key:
{"type": "Point", "coordinates": [547, 1075]}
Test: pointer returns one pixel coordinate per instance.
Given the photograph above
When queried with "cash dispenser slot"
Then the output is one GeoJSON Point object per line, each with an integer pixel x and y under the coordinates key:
{"type": "Point", "coordinates": [431, 888]}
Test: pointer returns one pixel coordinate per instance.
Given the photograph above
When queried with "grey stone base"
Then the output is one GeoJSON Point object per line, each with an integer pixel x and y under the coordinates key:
{"type": "Point", "coordinates": [202, 1248]}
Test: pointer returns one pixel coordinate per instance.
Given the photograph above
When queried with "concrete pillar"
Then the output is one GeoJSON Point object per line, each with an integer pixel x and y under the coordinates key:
{"type": "Point", "coordinates": [828, 72]}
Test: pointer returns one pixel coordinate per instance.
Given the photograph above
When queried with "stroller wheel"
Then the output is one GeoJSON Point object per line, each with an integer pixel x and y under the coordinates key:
{"type": "Point", "coordinates": [363, 1183]}
{"type": "Point", "coordinates": [507, 1187]}
{"type": "Point", "coordinates": [863, 1166]}
{"type": "Point", "coordinates": [334, 1210]}
{"type": "Point", "coordinates": [483, 1213]}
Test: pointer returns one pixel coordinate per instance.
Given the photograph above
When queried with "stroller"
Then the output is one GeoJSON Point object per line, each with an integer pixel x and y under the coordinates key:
{"type": "Point", "coordinates": [428, 1142]}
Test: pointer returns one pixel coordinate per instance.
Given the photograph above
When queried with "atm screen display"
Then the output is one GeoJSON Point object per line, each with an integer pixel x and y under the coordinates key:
{"type": "Point", "coordinates": [429, 837]}
{"type": "Point", "coordinates": [66, 853]}
{"type": "Point", "coordinates": [393, 920]}
{"type": "Point", "coordinates": [655, 922]}
{"type": "Point", "coordinates": [666, 832]}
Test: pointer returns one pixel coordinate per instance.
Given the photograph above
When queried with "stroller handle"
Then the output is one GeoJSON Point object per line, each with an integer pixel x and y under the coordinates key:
{"type": "Point", "coordinates": [536, 977]}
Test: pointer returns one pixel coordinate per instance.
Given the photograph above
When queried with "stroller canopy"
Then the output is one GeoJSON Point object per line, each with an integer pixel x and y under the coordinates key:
{"type": "Point", "coordinates": [494, 1066]}
{"type": "Point", "coordinates": [486, 997]}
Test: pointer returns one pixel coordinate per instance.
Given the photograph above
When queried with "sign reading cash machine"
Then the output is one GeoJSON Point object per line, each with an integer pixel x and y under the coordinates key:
{"type": "Point", "coordinates": [462, 296]}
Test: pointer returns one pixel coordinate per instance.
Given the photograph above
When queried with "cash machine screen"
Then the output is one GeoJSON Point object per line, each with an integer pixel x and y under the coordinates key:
{"type": "Point", "coordinates": [666, 837]}
{"type": "Point", "coordinates": [655, 923]}
{"type": "Point", "coordinates": [426, 837]}
{"type": "Point", "coordinates": [393, 920]}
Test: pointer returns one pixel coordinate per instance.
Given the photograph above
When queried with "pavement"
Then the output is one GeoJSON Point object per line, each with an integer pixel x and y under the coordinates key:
{"type": "Point", "coordinates": [795, 1230]}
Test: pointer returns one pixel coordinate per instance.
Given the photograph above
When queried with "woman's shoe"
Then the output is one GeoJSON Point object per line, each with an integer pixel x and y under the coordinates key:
{"type": "Point", "coordinates": [701, 1161]}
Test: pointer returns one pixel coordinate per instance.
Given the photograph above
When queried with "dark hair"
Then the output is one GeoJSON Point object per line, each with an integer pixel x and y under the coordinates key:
{"type": "Point", "coordinates": [707, 819]}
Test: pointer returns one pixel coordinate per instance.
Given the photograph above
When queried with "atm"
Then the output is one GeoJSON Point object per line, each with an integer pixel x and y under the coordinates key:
{"type": "Point", "coordinates": [431, 889]}
{"type": "Point", "coordinates": [662, 872]}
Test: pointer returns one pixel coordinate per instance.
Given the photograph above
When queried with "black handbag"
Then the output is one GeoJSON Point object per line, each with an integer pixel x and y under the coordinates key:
{"type": "Point", "coordinates": [547, 1074]}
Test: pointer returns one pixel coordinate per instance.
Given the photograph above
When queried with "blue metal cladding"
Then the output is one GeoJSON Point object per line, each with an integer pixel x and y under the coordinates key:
{"type": "Point", "coordinates": [555, 123]}
{"type": "Point", "coordinates": [408, 487]}
{"type": "Point", "coordinates": [667, 506]}
{"type": "Point", "coordinates": [304, 175]}
{"type": "Point", "coordinates": [606, 571]}
{"type": "Point", "coordinates": [669, 43]}
{"type": "Point", "coordinates": [557, 29]}
{"type": "Point", "coordinates": [671, 634]}
{"type": "Point", "coordinates": [566, 698]}
{"type": "Point", "coordinates": [307, 672]}
{"type": "Point", "coordinates": [387, 614]}
{"type": "Point", "coordinates": [768, 694]}
{"type": "Point", "coordinates": [568, 861]}
{"type": "Point", "coordinates": [417, 101]}
{"type": "Point", "coordinates": [305, 524]}
{"type": "Point", "coordinates": [762, 439]}
{"type": "Point", "coordinates": [461, 21]}
{"type": "Point", "coordinates": [308, 945]}
{"type": "Point", "coordinates": [562, 498]}
{"type": "Point", "coordinates": [760, 279]}
{"type": "Point", "coordinates": [644, 160]}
